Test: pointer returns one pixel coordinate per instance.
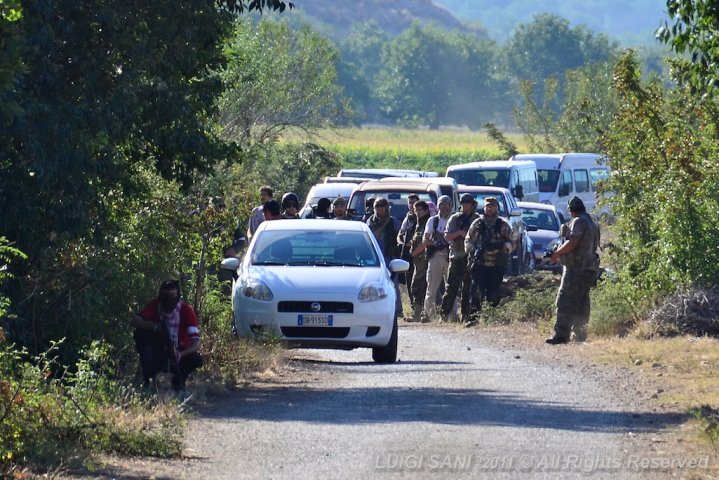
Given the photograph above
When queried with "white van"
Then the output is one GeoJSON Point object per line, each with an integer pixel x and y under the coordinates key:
{"type": "Point", "coordinates": [563, 175]}
{"type": "Point", "coordinates": [520, 178]}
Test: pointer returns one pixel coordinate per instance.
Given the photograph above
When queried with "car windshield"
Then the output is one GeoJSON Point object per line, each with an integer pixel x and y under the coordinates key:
{"type": "Point", "coordinates": [320, 248]}
{"type": "Point", "coordinates": [547, 180]}
{"type": "Point", "coordinates": [542, 219]}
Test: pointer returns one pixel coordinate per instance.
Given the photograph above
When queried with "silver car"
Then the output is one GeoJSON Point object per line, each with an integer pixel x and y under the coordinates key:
{"type": "Point", "coordinates": [543, 223]}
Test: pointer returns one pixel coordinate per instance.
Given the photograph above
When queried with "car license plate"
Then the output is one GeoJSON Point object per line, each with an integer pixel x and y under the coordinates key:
{"type": "Point", "coordinates": [314, 320]}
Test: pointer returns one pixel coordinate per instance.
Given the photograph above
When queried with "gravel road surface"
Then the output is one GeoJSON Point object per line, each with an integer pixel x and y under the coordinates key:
{"type": "Point", "coordinates": [460, 403]}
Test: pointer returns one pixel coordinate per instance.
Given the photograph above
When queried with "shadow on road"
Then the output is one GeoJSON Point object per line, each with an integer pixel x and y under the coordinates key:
{"type": "Point", "coordinates": [433, 405]}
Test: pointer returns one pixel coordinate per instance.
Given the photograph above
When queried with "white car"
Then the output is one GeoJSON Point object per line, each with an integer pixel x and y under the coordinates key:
{"type": "Point", "coordinates": [317, 284]}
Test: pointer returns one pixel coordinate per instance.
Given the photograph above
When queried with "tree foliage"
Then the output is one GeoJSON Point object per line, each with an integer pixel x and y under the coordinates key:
{"type": "Point", "coordinates": [663, 148]}
{"type": "Point", "coordinates": [433, 77]}
{"type": "Point", "coordinates": [546, 48]}
{"type": "Point", "coordinates": [692, 30]}
{"type": "Point", "coordinates": [277, 78]}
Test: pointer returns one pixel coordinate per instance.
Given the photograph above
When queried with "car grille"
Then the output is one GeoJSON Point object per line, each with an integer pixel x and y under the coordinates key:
{"type": "Point", "coordinates": [315, 332]}
{"type": "Point", "coordinates": [306, 307]}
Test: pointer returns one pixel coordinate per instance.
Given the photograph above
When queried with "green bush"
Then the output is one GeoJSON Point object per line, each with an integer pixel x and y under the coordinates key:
{"type": "Point", "coordinates": [52, 413]}
{"type": "Point", "coordinates": [614, 308]}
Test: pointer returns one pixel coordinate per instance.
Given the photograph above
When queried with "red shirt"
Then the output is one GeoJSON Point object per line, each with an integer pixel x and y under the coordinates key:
{"type": "Point", "coordinates": [188, 329]}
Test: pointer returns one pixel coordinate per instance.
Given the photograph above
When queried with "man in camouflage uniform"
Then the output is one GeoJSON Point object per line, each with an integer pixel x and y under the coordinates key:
{"type": "Point", "coordinates": [578, 255]}
{"type": "Point", "coordinates": [458, 273]}
{"type": "Point", "coordinates": [404, 236]}
{"type": "Point", "coordinates": [489, 241]}
{"type": "Point", "coordinates": [417, 246]}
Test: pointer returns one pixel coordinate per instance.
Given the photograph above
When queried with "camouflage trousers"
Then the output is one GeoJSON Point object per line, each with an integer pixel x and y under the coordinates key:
{"type": "Point", "coordinates": [573, 304]}
{"type": "Point", "coordinates": [458, 278]}
{"type": "Point", "coordinates": [419, 284]}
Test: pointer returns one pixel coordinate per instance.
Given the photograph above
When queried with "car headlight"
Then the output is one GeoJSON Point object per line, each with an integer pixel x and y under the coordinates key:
{"type": "Point", "coordinates": [371, 293]}
{"type": "Point", "coordinates": [257, 290]}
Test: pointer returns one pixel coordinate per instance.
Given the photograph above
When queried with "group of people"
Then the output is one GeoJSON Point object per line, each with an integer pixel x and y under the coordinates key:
{"type": "Point", "coordinates": [462, 255]}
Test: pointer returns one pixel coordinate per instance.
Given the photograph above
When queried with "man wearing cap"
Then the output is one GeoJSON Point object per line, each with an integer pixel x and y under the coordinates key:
{"type": "Point", "coordinates": [418, 246]}
{"type": "Point", "coordinates": [437, 251]}
{"type": "Point", "coordinates": [489, 241]}
{"type": "Point", "coordinates": [339, 209]}
{"type": "Point", "coordinates": [579, 258]}
{"type": "Point", "coordinates": [385, 228]}
{"type": "Point", "coordinates": [458, 272]}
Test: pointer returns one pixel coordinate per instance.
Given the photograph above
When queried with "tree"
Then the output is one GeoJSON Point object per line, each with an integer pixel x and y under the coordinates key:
{"type": "Point", "coordinates": [547, 47]}
{"type": "Point", "coordinates": [106, 92]}
{"type": "Point", "coordinates": [434, 77]}
{"type": "Point", "coordinates": [693, 30]}
{"type": "Point", "coordinates": [359, 68]}
{"type": "Point", "coordinates": [277, 78]}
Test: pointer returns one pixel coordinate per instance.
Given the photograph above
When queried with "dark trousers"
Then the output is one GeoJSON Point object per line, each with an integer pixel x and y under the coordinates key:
{"type": "Point", "coordinates": [457, 278]}
{"type": "Point", "coordinates": [154, 358]}
{"type": "Point", "coordinates": [419, 283]}
{"type": "Point", "coordinates": [485, 285]}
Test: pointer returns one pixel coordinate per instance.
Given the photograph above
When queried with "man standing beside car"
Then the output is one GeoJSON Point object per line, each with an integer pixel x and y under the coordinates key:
{"type": "Point", "coordinates": [385, 228]}
{"type": "Point", "coordinates": [489, 241]}
{"type": "Point", "coordinates": [458, 273]}
{"type": "Point", "coordinates": [578, 255]}
{"type": "Point", "coordinates": [256, 216]}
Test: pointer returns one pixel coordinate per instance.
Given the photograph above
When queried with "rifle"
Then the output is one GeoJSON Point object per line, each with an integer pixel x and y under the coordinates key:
{"type": "Point", "coordinates": [173, 366]}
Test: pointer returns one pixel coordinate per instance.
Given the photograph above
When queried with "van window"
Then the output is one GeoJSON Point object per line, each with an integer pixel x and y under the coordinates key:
{"type": "Point", "coordinates": [565, 184]}
{"type": "Point", "coordinates": [548, 180]}
{"type": "Point", "coordinates": [581, 181]}
{"type": "Point", "coordinates": [597, 175]}
{"type": "Point", "coordinates": [528, 180]}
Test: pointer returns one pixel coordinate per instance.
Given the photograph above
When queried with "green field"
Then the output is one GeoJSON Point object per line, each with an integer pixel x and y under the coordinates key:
{"type": "Point", "coordinates": [404, 148]}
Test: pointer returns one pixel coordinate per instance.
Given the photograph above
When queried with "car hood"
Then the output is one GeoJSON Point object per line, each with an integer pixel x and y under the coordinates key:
{"type": "Point", "coordinates": [316, 279]}
{"type": "Point", "coordinates": [543, 237]}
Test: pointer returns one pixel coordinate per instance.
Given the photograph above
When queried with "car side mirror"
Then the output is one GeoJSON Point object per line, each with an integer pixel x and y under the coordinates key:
{"type": "Point", "coordinates": [231, 263]}
{"type": "Point", "coordinates": [515, 212]}
{"type": "Point", "coordinates": [398, 265]}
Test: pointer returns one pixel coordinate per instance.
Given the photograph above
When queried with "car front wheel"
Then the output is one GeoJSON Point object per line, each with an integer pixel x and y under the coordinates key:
{"type": "Point", "coordinates": [388, 353]}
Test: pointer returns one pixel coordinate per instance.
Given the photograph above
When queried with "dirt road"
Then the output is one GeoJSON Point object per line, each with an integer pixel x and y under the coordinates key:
{"type": "Point", "coordinates": [459, 404]}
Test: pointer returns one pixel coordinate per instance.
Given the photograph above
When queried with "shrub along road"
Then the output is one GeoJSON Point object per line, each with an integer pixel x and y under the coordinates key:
{"type": "Point", "coordinates": [460, 403]}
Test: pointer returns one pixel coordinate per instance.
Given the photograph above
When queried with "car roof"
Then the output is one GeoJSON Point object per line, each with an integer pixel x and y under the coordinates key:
{"type": "Point", "coordinates": [312, 224]}
{"type": "Point", "coordinates": [537, 206]}
{"type": "Point", "coordinates": [334, 188]}
{"type": "Point", "coordinates": [481, 189]}
{"type": "Point", "coordinates": [400, 183]}
{"type": "Point", "coordinates": [490, 164]}
{"type": "Point", "coordinates": [354, 180]}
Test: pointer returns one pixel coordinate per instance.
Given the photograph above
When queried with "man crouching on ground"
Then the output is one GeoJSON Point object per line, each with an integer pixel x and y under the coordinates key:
{"type": "Point", "coordinates": [167, 336]}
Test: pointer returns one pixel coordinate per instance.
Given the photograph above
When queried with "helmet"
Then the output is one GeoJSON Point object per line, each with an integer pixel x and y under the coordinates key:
{"type": "Point", "coordinates": [290, 197]}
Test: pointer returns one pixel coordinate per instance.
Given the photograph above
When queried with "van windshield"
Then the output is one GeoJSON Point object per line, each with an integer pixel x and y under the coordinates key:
{"type": "Point", "coordinates": [547, 180]}
{"type": "Point", "coordinates": [494, 178]}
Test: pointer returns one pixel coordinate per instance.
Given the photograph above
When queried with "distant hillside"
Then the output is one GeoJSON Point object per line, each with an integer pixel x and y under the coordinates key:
{"type": "Point", "coordinates": [630, 22]}
{"type": "Point", "coordinates": [337, 16]}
